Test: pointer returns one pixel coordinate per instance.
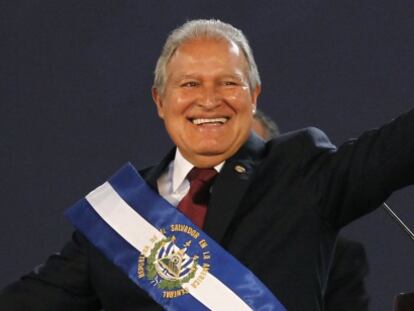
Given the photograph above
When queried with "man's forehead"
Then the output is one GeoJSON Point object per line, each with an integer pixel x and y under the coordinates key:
{"type": "Point", "coordinates": [234, 48]}
{"type": "Point", "coordinates": [201, 45]}
{"type": "Point", "coordinates": [206, 51]}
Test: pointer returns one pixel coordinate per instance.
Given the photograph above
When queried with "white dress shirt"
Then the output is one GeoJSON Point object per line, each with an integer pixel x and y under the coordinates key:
{"type": "Point", "coordinates": [172, 184]}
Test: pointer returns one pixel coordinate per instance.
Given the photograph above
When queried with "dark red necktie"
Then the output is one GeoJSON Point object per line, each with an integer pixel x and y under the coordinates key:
{"type": "Point", "coordinates": [194, 203]}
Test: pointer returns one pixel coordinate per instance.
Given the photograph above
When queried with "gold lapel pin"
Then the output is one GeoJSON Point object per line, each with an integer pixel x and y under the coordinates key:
{"type": "Point", "coordinates": [240, 169]}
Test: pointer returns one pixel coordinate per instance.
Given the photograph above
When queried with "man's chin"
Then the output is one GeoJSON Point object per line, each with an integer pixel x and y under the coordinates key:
{"type": "Point", "coordinates": [210, 150]}
{"type": "Point", "coordinates": [218, 148]}
{"type": "Point", "coordinates": [211, 153]}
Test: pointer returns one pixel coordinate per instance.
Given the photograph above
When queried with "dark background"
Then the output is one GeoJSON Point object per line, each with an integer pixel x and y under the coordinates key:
{"type": "Point", "coordinates": [75, 103]}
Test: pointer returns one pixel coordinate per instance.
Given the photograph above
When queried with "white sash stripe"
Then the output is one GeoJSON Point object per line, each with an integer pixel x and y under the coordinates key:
{"type": "Point", "coordinates": [122, 218]}
{"type": "Point", "coordinates": [215, 295]}
{"type": "Point", "coordinates": [138, 232]}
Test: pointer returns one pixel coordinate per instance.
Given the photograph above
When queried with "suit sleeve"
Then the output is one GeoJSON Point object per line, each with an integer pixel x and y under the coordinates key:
{"type": "Point", "coordinates": [60, 284]}
{"type": "Point", "coordinates": [357, 177]}
{"type": "Point", "coordinates": [346, 283]}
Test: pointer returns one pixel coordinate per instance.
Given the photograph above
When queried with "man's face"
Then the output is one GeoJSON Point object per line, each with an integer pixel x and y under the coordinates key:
{"type": "Point", "coordinates": [207, 103]}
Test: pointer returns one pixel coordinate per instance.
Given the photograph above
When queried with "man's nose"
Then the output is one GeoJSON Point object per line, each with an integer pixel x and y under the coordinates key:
{"type": "Point", "coordinates": [210, 97]}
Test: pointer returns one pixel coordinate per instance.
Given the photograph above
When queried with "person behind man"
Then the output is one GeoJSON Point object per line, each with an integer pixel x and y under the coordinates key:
{"type": "Point", "coordinates": [277, 206]}
{"type": "Point", "coordinates": [264, 126]}
{"type": "Point", "coordinates": [345, 288]}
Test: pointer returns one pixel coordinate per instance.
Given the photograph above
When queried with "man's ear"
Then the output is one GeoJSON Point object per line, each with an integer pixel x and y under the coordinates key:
{"type": "Point", "coordinates": [255, 95]}
{"type": "Point", "coordinates": [157, 98]}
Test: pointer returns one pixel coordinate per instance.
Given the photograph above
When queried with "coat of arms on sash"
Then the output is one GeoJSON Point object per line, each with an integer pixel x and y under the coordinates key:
{"type": "Point", "coordinates": [181, 258]}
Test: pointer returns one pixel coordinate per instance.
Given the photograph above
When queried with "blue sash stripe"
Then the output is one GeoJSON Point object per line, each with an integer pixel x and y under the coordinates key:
{"type": "Point", "coordinates": [138, 195]}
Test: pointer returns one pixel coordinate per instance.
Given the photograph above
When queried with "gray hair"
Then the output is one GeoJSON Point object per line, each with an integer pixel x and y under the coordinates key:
{"type": "Point", "coordinates": [202, 28]}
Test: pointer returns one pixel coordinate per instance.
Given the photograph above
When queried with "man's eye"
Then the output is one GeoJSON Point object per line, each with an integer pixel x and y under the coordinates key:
{"type": "Point", "coordinates": [229, 83]}
{"type": "Point", "coordinates": [189, 84]}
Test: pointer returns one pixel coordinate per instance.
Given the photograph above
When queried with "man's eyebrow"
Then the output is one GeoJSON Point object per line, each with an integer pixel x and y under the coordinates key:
{"type": "Point", "coordinates": [234, 75]}
{"type": "Point", "coordinates": [182, 77]}
{"type": "Point", "coordinates": [188, 76]}
{"type": "Point", "coordinates": [179, 77]}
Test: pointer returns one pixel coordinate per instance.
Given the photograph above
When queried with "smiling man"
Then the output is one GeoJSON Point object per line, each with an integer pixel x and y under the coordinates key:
{"type": "Point", "coordinates": [207, 100]}
{"type": "Point", "coordinates": [276, 206]}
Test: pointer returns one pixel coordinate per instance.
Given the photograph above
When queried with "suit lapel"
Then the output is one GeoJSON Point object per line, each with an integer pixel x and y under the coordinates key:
{"type": "Point", "coordinates": [152, 174]}
{"type": "Point", "coordinates": [230, 187]}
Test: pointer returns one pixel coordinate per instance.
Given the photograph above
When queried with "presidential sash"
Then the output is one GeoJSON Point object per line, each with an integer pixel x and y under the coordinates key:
{"type": "Point", "coordinates": [161, 251]}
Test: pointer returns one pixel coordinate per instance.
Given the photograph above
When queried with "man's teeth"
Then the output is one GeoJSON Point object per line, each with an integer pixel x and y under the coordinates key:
{"type": "Point", "coordinates": [206, 121]}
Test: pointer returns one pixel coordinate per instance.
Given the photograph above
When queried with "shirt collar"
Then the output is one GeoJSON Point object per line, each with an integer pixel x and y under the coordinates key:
{"type": "Point", "coordinates": [182, 167]}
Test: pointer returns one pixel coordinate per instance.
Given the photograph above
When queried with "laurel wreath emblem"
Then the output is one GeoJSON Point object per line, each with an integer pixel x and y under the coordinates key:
{"type": "Point", "coordinates": [152, 273]}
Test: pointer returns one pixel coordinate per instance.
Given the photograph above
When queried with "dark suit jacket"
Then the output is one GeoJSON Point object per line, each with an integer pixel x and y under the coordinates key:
{"type": "Point", "coordinates": [345, 289]}
{"type": "Point", "coordinates": [280, 219]}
